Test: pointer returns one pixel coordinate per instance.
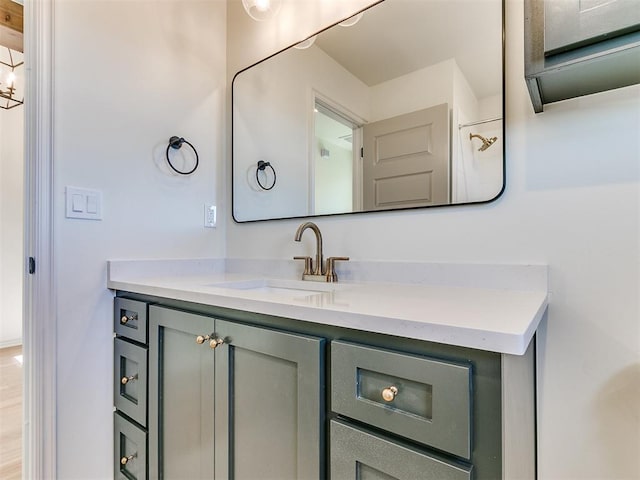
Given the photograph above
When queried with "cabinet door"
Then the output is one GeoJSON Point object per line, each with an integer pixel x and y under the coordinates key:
{"type": "Point", "coordinates": [181, 396]}
{"type": "Point", "coordinates": [269, 393]}
{"type": "Point", "coordinates": [360, 455]}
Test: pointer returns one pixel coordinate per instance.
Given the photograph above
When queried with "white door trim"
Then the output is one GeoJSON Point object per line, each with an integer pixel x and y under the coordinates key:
{"type": "Point", "coordinates": [39, 319]}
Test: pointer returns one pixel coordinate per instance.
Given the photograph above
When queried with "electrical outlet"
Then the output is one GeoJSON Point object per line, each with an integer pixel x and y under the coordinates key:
{"type": "Point", "coordinates": [210, 216]}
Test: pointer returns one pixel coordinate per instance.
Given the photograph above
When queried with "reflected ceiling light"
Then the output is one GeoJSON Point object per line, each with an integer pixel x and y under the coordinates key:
{"type": "Point", "coordinates": [262, 9]}
{"type": "Point", "coordinates": [306, 43]}
{"type": "Point", "coordinates": [351, 20]}
{"type": "Point", "coordinates": [11, 84]}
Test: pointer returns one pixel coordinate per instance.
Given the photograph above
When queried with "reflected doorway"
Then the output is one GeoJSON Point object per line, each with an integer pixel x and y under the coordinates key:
{"type": "Point", "coordinates": [335, 162]}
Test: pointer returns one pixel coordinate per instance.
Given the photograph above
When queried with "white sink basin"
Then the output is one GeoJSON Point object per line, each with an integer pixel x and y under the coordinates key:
{"type": "Point", "coordinates": [280, 286]}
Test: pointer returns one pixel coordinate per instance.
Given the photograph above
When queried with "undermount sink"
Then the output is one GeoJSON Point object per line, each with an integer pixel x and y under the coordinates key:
{"type": "Point", "coordinates": [279, 286]}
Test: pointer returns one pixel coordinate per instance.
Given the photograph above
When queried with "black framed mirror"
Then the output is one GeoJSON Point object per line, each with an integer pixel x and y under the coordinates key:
{"type": "Point", "coordinates": [398, 107]}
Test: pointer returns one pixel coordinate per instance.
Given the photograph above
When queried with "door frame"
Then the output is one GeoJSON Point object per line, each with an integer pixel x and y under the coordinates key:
{"type": "Point", "coordinates": [39, 304]}
{"type": "Point", "coordinates": [348, 116]}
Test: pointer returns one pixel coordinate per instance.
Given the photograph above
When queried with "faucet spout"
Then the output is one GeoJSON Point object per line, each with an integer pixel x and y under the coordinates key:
{"type": "Point", "coordinates": [318, 268]}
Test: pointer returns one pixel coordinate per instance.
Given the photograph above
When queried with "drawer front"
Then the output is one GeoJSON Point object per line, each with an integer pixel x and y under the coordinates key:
{"type": "Point", "coordinates": [130, 319]}
{"type": "Point", "coordinates": [356, 454]}
{"type": "Point", "coordinates": [130, 380]}
{"type": "Point", "coordinates": [426, 400]}
{"type": "Point", "coordinates": [130, 450]}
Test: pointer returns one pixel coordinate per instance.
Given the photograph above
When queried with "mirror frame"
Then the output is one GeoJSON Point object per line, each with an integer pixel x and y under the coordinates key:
{"type": "Point", "coordinates": [399, 209]}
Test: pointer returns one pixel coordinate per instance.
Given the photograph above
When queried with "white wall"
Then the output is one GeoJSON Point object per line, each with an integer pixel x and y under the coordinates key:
{"type": "Point", "coordinates": [572, 201]}
{"type": "Point", "coordinates": [424, 88]}
{"type": "Point", "coordinates": [333, 178]}
{"type": "Point", "coordinates": [128, 75]}
{"type": "Point", "coordinates": [11, 222]}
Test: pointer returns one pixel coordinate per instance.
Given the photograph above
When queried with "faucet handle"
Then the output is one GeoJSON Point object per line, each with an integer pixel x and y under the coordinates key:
{"type": "Point", "coordinates": [332, 276]}
{"type": "Point", "coordinates": [308, 267]}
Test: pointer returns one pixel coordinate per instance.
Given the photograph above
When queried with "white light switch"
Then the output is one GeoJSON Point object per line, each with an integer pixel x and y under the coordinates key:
{"type": "Point", "coordinates": [92, 204]}
{"type": "Point", "coordinates": [83, 203]}
{"type": "Point", "coordinates": [77, 202]}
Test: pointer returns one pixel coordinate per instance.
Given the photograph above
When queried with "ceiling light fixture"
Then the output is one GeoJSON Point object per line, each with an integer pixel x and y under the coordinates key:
{"type": "Point", "coordinates": [261, 10]}
{"type": "Point", "coordinates": [11, 89]}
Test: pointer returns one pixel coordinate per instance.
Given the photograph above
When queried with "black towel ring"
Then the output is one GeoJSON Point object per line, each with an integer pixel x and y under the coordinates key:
{"type": "Point", "coordinates": [262, 165]}
{"type": "Point", "coordinates": [176, 143]}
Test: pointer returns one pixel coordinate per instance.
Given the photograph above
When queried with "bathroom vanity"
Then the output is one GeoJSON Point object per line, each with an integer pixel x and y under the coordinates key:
{"type": "Point", "coordinates": [227, 375]}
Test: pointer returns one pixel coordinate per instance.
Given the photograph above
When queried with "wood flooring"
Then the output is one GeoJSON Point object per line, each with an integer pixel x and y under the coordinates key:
{"type": "Point", "coordinates": [10, 414]}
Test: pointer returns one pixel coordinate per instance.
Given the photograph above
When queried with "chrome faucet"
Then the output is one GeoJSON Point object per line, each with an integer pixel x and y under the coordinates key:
{"type": "Point", "coordinates": [317, 271]}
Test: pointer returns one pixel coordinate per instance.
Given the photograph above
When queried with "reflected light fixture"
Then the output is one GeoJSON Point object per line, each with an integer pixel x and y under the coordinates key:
{"type": "Point", "coordinates": [11, 81]}
{"type": "Point", "coordinates": [351, 20]}
{"type": "Point", "coordinates": [306, 43]}
{"type": "Point", "coordinates": [262, 9]}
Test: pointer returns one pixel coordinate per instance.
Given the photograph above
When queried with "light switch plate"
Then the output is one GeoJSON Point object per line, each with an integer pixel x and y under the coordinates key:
{"type": "Point", "coordinates": [83, 203]}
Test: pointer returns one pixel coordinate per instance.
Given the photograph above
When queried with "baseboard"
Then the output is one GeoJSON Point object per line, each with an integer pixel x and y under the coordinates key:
{"type": "Point", "coordinates": [10, 343]}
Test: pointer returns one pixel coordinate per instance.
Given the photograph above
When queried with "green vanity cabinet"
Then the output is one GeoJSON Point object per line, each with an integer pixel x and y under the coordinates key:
{"type": "Point", "coordinates": [181, 396]}
{"type": "Point", "coordinates": [412, 401]}
{"type": "Point", "coordinates": [358, 454]}
{"type": "Point", "coordinates": [228, 400]}
{"type": "Point", "coordinates": [269, 404]}
{"type": "Point", "coordinates": [217, 393]}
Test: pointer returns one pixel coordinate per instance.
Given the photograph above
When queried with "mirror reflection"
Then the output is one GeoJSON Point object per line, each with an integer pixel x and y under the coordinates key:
{"type": "Point", "coordinates": [400, 109]}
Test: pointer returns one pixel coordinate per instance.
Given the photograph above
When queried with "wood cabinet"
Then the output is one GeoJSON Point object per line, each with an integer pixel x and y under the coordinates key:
{"type": "Point", "coordinates": [231, 394]}
{"type": "Point", "coordinates": [575, 48]}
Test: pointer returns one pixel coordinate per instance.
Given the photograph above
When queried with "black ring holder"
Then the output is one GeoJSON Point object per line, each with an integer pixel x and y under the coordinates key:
{"type": "Point", "coordinates": [262, 166]}
{"type": "Point", "coordinates": [176, 144]}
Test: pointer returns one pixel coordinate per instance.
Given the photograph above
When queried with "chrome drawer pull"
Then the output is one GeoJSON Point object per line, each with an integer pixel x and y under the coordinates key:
{"type": "Point", "coordinates": [389, 393]}
{"type": "Point", "coordinates": [127, 459]}
{"type": "Point", "coordinates": [125, 380]}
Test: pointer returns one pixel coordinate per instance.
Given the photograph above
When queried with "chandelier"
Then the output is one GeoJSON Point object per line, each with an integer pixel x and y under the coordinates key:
{"type": "Point", "coordinates": [11, 79]}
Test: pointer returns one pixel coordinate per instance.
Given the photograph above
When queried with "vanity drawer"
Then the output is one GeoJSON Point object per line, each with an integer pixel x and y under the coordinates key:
{"type": "Point", "coordinates": [130, 380]}
{"type": "Point", "coordinates": [427, 400]}
{"type": "Point", "coordinates": [130, 450]}
{"type": "Point", "coordinates": [130, 319]}
{"type": "Point", "coordinates": [357, 454]}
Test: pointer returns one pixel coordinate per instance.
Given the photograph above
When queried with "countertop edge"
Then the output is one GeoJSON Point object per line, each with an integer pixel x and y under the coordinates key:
{"type": "Point", "coordinates": [500, 342]}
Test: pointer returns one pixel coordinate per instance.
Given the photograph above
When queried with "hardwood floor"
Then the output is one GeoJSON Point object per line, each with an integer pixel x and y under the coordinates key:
{"type": "Point", "coordinates": [10, 414]}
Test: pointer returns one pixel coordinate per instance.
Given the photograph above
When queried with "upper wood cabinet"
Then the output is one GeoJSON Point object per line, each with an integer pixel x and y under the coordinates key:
{"type": "Point", "coordinates": [11, 25]}
{"type": "Point", "coordinates": [579, 47]}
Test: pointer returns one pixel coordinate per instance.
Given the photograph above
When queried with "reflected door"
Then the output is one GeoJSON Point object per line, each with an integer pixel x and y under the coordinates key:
{"type": "Point", "coordinates": [406, 160]}
{"type": "Point", "coordinates": [333, 162]}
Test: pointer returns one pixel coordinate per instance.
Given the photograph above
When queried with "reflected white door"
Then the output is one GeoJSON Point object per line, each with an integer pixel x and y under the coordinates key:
{"type": "Point", "coordinates": [406, 160]}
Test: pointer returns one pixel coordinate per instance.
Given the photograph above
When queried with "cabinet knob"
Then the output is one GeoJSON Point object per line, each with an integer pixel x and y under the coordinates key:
{"type": "Point", "coordinates": [200, 339]}
{"type": "Point", "coordinates": [128, 458]}
{"type": "Point", "coordinates": [216, 342]}
{"type": "Point", "coordinates": [127, 318]}
{"type": "Point", "coordinates": [389, 393]}
{"type": "Point", "coordinates": [125, 380]}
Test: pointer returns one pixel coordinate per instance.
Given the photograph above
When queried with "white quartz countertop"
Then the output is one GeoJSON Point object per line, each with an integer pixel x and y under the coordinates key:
{"type": "Point", "coordinates": [501, 320]}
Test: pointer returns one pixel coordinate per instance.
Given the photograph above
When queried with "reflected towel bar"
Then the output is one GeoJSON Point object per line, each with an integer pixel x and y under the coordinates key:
{"type": "Point", "coordinates": [471, 124]}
